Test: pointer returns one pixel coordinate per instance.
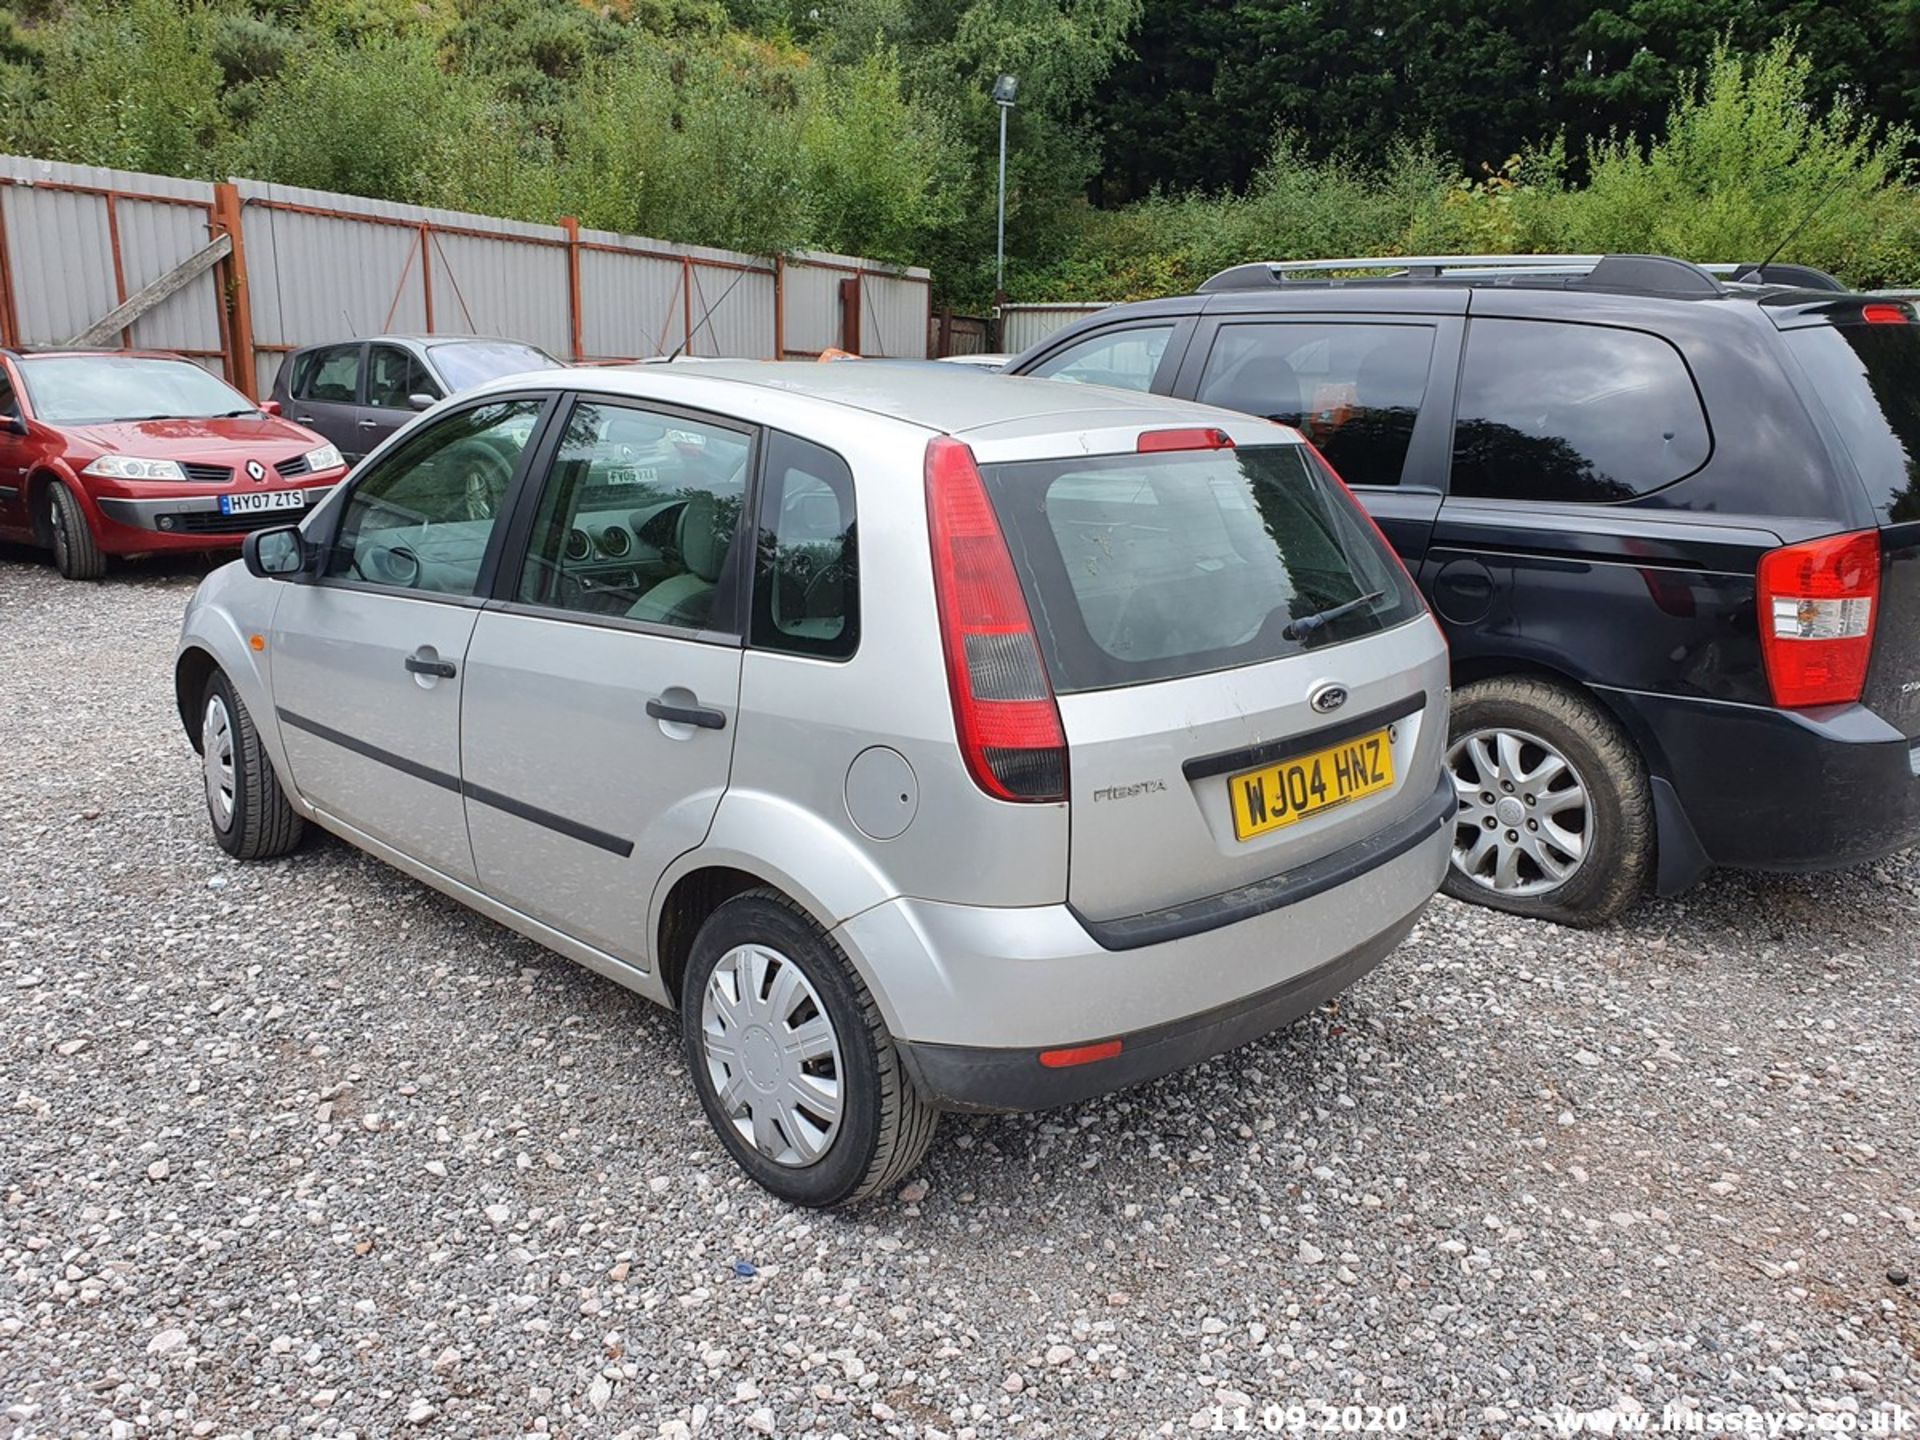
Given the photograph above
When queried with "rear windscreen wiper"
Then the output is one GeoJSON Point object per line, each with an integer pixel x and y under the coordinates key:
{"type": "Point", "coordinates": [1306, 625]}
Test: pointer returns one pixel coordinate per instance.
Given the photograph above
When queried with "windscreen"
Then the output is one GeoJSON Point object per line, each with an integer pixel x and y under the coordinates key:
{"type": "Point", "coordinates": [93, 389]}
{"type": "Point", "coordinates": [474, 362]}
{"type": "Point", "coordinates": [1868, 377]}
{"type": "Point", "coordinates": [1151, 567]}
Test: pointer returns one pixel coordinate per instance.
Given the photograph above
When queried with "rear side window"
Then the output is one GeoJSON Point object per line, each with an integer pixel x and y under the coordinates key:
{"type": "Point", "coordinates": [1151, 567]}
{"type": "Point", "coordinates": [329, 375]}
{"type": "Point", "coordinates": [1126, 359]}
{"type": "Point", "coordinates": [1355, 390]}
{"type": "Point", "coordinates": [1573, 413]}
{"type": "Point", "coordinates": [1868, 377]}
{"type": "Point", "coordinates": [806, 589]}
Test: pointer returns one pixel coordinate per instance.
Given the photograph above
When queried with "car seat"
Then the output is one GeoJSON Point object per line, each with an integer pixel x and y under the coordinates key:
{"type": "Point", "coordinates": [687, 598]}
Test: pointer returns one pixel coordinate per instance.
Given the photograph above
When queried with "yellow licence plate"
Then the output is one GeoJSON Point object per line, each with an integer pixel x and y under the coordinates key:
{"type": "Point", "coordinates": [1280, 794]}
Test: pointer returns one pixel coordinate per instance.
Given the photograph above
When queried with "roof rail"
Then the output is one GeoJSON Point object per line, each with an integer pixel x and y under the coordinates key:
{"type": "Point", "coordinates": [1805, 277]}
{"type": "Point", "coordinates": [1654, 274]}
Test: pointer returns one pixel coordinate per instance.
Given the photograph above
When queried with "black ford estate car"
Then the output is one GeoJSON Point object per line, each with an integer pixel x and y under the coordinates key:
{"type": "Point", "coordinates": [1668, 515]}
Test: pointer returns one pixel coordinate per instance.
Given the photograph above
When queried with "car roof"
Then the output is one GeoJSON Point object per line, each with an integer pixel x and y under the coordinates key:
{"type": "Point", "coordinates": [953, 399]}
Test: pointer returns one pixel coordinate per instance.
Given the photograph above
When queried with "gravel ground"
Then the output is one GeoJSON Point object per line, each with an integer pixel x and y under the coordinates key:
{"type": "Point", "coordinates": [304, 1148]}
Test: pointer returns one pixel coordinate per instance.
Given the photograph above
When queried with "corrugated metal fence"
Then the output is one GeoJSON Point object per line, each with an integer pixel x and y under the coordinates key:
{"type": "Point", "coordinates": [310, 266]}
{"type": "Point", "coordinates": [1023, 326]}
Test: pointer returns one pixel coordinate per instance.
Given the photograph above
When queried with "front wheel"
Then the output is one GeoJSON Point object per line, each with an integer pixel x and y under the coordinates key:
{"type": "Point", "coordinates": [251, 817]}
{"type": "Point", "coordinates": [791, 1058]}
{"type": "Point", "coordinates": [1556, 817]}
{"type": "Point", "coordinates": [76, 554]}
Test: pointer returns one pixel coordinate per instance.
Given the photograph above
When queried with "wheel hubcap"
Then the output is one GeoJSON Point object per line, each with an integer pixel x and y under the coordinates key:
{"type": "Point", "coordinates": [1525, 823]}
{"type": "Point", "coordinates": [216, 759]}
{"type": "Point", "coordinates": [772, 1055]}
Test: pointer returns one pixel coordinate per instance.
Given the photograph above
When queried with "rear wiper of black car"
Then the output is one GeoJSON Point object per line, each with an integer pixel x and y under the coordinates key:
{"type": "Point", "coordinates": [1306, 625]}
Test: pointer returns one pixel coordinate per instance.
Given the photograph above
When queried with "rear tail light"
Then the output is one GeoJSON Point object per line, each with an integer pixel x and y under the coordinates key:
{"type": "Point", "coordinates": [1003, 707]}
{"type": "Point", "coordinates": [1817, 604]}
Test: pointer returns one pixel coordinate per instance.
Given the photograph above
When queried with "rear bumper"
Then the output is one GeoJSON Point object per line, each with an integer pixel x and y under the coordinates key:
{"type": "Point", "coordinates": [974, 995]}
{"type": "Point", "coordinates": [1770, 789]}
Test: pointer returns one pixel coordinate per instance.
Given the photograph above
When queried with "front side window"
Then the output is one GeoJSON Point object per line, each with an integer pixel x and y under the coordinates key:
{"type": "Point", "coordinates": [95, 389]}
{"type": "Point", "coordinates": [637, 518]}
{"type": "Point", "coordinates": [331, 376]}
{"type": "Point", "coordinates": [1355, 390]}
{"type": "Point", "coordinates": [1152, 567]}
{"type": "Point", "coordinates": [421, 519]}
{"type": "Point", "coordinates": [806, 596]}
{"type": "Point", "coordinates": [394, 377]}
{"type": "Point", "coordinates": [1573, 413]}
{"type": "Point", "coordinates": [1125, 359]}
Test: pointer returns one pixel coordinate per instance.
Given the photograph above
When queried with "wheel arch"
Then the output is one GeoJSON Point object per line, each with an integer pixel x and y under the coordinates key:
{"type": "Point", "coordinates": [192, 669]}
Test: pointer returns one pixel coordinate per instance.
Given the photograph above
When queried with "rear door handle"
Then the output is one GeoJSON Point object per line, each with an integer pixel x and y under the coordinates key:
{"type": "Point", "coordinates": [419, 666]}
{"type": "Point", "coordinates": [687, 715]}
{"type": "Point", "coordinates": [367, 424]}
{"type": "Point", "coordinates": [303, 419]}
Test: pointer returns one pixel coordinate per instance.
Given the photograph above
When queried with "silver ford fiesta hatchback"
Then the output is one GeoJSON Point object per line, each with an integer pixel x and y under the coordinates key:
{"type": "Point", "coordinates": [932, 740]}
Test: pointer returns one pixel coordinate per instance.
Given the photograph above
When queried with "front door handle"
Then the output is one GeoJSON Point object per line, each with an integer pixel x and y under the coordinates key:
{"type": "Point", "coordinates": [441, 668]}
{"type": "Point", "coordinates": [367, 424]}
{"type": "Point", "coordinates": [687, 715]}
{"type": "Point", "coordinates": [303, 419]}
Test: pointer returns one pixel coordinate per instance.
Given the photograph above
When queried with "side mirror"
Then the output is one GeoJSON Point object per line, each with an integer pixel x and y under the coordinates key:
{"type": "Point", "coordinates": [420, 400]}
{"type": "Point", "coordinates": [274, 554]}
{"type": "Point", "coordinates": [269, 407]}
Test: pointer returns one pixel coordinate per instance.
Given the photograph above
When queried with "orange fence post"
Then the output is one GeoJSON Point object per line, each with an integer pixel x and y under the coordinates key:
{"type": "Point", "coordinates": [239, 307]}
{"type": "Point", "coordinates": [572, 226]}
{"type": "Point", "coordinates": [426, 278]}
{"type": "Point", "coordinates": [686, 304]}
{"type": "Point", "coordinates": [850, 315]}
{"type": "Point", "coordinates": [779, 307]}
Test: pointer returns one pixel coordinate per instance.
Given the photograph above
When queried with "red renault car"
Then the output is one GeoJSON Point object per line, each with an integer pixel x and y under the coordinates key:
{"type": "Point", "coordinates": [130, 453]}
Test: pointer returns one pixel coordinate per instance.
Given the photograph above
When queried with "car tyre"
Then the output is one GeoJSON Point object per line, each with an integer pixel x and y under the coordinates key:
{"type": "Point", "coordinates": [1539, 719]}
{"type": "Point", "coordinates": [251, 816]}
{"type": "Point", "coordinates": [76, 554]}
{"type": "Point", "coordinates": [883, 1126]}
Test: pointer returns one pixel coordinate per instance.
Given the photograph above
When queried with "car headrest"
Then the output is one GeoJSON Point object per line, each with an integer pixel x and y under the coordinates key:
{"type": "Point", "coordinates": [702, 544]}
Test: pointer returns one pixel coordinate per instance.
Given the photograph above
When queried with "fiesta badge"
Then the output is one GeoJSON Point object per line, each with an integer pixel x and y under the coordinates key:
{"type": "Point", "coordinates": [255, 470]}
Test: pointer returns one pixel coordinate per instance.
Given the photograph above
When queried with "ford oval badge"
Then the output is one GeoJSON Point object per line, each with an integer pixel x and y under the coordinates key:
{"type": "Point", "coordinates": [1328, 698]}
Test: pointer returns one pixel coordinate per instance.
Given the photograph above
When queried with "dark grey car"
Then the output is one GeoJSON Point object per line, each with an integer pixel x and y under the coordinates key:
{"type": "Point", "coordinates": [358, 392]}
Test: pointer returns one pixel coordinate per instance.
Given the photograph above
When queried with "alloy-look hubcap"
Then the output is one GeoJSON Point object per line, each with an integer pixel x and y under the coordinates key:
{"type": "Point", "coordinates": [1525, 823]}
{"type": "Point", "coordinates": [772, 1055]}
{"type": "Point", "coordinates": [216, 760]}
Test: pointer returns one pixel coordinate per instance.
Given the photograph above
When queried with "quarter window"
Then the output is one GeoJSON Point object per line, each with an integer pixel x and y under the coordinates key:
{"type": "Point", "coordinates": [806, 595]}
{"type": "Point", "coordinates": [1354, 390]}
{"type": "Point", "coordinates": [422, 519]}
{"type": "Point", "coordinates": [638, 517]}
{"type": "Point", "coordinates": [9, 402]}
{"type": "Point", "coordinates": [331, 376]}
{"type": "Point", "coordinates": [1126, 359]}
{"type": "Point", "coordinates": [1573, 413]}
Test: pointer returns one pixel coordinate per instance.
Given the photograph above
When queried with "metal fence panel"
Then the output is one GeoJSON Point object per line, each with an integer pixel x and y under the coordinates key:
{"type": "Point", "coordinates": [631, 301]}
{"type": "Point", "coordinates": [78, 239]}
{"type": "Point", "coordinates": [1024, 326]}
{"type": "Point", "coordinates": [75, 241]}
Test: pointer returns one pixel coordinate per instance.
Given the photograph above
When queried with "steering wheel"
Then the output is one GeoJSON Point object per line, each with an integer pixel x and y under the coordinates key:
{"type": "Point", "coordinates": [393, 565]}
{"type": "Point", "coordinates": [483, 474]}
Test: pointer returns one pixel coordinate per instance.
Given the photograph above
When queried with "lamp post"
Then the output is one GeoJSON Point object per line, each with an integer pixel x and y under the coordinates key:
{"type": "Point", "coordinates": [1005, 89]}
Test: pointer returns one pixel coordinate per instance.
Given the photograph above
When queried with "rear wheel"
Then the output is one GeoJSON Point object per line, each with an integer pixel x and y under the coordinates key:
{"type": "Point", "coordinates": [76, 554]}
{"type": "Point", "coordinates": [792, 1060]}
{"type": "Point", "coordinates": [251, 817]}
{"type": "Point", "coordinates": [1555, 819]}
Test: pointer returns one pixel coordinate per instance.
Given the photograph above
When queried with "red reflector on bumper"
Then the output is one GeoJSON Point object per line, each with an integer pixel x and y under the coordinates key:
{"type": "Point", "coordinates": [1079, 1055]}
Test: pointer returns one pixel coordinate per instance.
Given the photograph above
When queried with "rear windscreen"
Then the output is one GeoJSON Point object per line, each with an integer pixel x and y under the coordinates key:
{"type": "Point", "coordinates": [1150, 567]}
{"type": "Point", "coordinates": [1868, 377]}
